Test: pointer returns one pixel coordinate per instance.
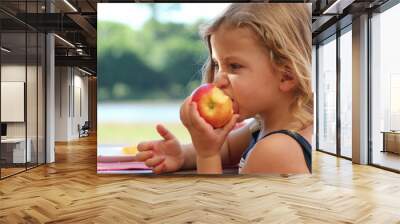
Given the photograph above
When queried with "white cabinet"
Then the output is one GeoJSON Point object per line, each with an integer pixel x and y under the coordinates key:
{"type": "Point", "coordinates": [18, 146]}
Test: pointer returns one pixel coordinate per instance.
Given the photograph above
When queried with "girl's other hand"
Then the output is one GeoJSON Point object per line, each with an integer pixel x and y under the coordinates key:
{"type": "Point", "coordinates": [161, 155]}
{"type": "Point", "coordinates": [206, 140]}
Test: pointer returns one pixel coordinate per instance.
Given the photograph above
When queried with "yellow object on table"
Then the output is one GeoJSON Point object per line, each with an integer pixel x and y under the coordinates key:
{"type": "Point", "coordinates": [129, 150]}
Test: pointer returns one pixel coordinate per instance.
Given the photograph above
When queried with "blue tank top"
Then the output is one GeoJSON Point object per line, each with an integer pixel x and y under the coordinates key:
{"type": "Point", "coordinates": [305, 146]}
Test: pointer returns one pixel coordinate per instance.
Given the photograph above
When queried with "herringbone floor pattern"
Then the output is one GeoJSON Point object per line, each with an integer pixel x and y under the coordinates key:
{"type": "Point", "coordinates": [70, 191]}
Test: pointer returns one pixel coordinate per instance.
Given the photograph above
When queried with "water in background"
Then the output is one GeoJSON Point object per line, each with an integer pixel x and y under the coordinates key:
{"type": "Point", "coordinates": [139, 112]}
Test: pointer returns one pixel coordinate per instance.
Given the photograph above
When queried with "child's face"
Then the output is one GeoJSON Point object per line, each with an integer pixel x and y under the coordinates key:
{"type": "Point", "coordinates": [243, 70]}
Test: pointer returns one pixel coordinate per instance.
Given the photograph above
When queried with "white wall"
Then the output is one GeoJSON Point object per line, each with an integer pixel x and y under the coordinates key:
{"type": "Point", "coordinates": [33, 126]}
{"type": "Point", "coordinates": [13, 101]}
{"type": "Point", "coordinates": [13, 73]}
{"type": "Point", "coordinates": [10, 73]}
{"type": "Point", "coordinates": [62, 81]}
{"type": "Point", "coordinates": [81, 101]}
{"type": "Point", "coordinates": [71, 94]}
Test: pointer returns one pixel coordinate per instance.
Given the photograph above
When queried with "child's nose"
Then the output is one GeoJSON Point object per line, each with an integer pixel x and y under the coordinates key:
{"type": "Point", "coordinates": [221, 80]}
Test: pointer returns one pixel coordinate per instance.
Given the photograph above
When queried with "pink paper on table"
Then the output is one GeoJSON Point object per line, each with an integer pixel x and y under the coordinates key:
{"type": "Point", "coordinates": [122, 166]}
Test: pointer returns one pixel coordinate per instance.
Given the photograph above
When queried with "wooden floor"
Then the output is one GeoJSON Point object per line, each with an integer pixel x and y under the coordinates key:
{"type": "Point", "coordinates": [5, 172]}
{"type": "Point", "coordinates": [70, 191]}
{"type": "Point", "coordinates": [10, 171]}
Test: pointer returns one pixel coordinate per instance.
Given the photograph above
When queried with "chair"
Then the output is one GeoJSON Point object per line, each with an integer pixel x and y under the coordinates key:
{"type": "Point", "coordinates": [84, 130]}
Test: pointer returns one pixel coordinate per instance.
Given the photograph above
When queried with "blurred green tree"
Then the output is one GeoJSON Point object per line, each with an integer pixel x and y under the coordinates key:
{"type": "Point", "coordinates": [160, 61]}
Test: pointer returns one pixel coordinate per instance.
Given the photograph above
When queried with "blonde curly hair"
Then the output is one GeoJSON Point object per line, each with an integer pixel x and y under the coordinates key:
{"type": "Point", "coordinates": [285, 31]}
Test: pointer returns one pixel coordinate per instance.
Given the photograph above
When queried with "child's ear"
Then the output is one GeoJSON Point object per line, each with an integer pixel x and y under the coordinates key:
{"type": "Point", "coordinates": [288, 81]}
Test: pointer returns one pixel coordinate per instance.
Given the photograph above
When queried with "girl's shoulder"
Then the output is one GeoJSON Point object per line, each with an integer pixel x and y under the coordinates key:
{"type": "Point", "coordinates": [278, 144]}
{"type": "Point", "coordinates": [276, 153]}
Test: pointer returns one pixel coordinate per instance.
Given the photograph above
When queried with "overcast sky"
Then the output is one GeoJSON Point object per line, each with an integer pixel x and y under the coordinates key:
{"type": "Point", "coordinates": [135, 14]}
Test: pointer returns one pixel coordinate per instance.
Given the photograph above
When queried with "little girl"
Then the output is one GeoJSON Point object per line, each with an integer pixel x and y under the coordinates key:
{"type": "Point", "coordinates": [260, 56]}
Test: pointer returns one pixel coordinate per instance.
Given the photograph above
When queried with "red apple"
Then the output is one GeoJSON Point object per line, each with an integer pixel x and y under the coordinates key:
{"type": "Point", "coordinates": [213, 105]}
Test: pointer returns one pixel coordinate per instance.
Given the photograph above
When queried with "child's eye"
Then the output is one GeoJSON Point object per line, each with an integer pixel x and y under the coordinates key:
{"type": "Point", "coordinates": [235, 66]}
{"type": "Point", "coordinates": [216, 66]}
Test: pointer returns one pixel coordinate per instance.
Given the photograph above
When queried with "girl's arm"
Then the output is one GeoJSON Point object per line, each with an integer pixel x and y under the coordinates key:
{"type": "Point", "coordinates": [231, 151]}
{"type": "Point", "coordinates": [190, 157]}
{"type": "Point", "coordinates": [237, 141]}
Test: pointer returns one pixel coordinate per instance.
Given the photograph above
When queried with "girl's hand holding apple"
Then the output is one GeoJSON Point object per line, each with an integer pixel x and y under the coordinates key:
{"type": "Point", "coordinates": [208, 116]}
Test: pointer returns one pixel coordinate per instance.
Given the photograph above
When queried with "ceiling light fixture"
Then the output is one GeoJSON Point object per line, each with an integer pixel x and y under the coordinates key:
{"type": "Point", "coordinates": [84, 71]}
{"type": "Point", "coordinates": [5, 49]}
{"type": "Point", "coordinates": [337, 7]}
{"type": "Point", "coordinates": [64, 40]}
{"type": "Point", "coordinates": [70, 5]}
